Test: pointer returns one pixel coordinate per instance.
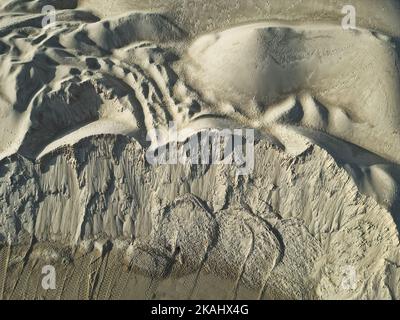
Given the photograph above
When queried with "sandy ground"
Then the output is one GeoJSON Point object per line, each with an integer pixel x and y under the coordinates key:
{"type": "Point", "coordinates": [78, 98]}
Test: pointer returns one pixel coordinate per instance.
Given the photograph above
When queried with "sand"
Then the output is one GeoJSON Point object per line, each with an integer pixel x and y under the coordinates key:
{"type": "Point", "coordinates": [80, 98]}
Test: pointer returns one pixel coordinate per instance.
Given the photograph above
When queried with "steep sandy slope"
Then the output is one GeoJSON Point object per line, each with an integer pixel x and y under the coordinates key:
{"type": "Point", "coordinates": [295, 223]}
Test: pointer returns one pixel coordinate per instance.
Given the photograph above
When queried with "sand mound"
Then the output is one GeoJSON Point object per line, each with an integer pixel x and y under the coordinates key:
{"type": "Point", "coordinates": [256, 67]}
{"type": "Point", "coordinates": [120, 32]}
